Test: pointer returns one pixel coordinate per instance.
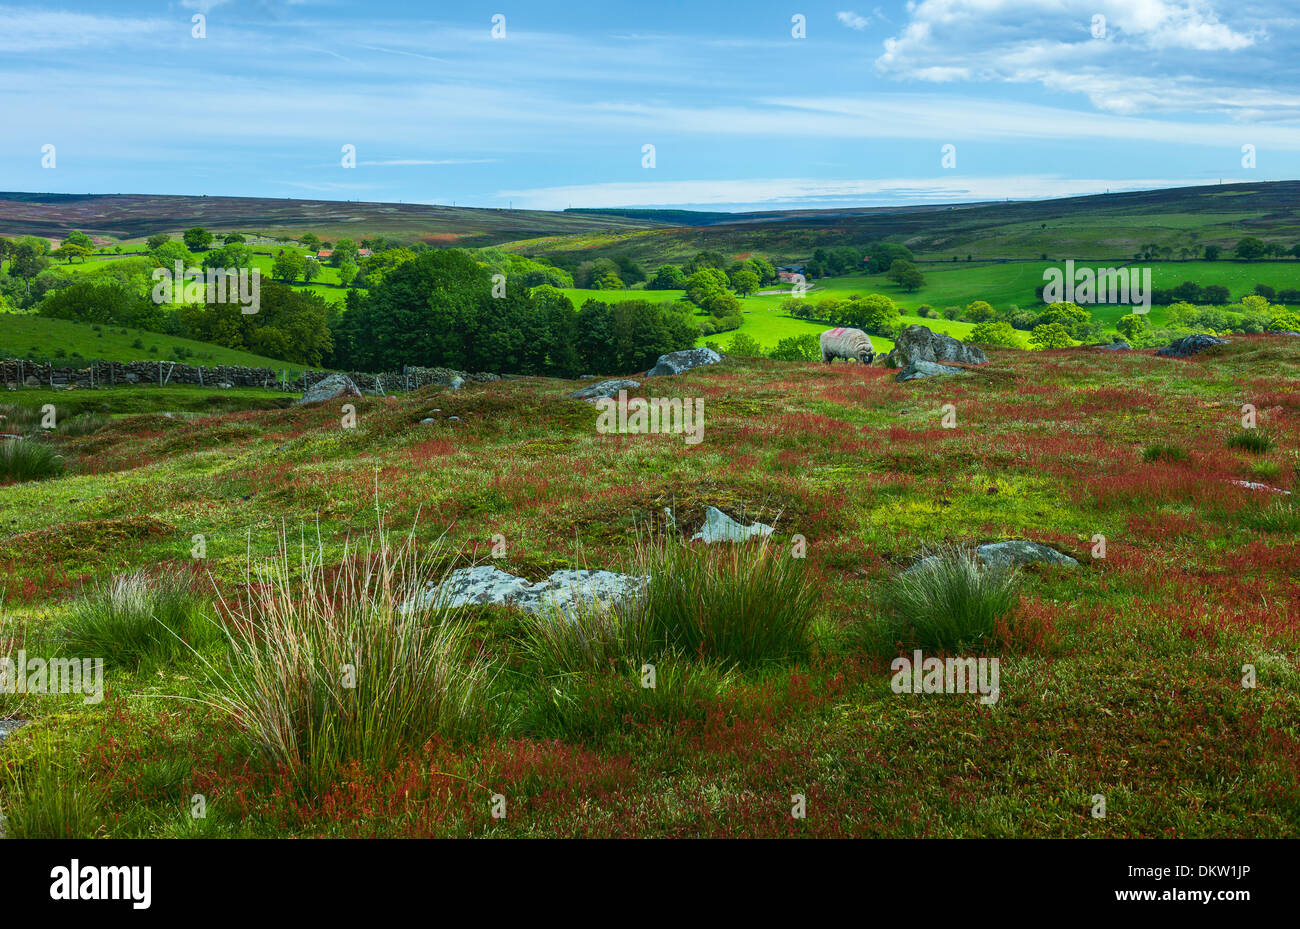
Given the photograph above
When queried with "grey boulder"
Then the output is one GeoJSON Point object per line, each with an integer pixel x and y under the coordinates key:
{"type": "Point", "coordinates": [604, 390]}
{"type": "Point", "coordinates": [1118, 345]}
{"type": "Point", "coordinates": [677, 362]}
{"type": "Point", "coordinates": [1013, 553]}
{"type": "Point", "coordinates": [917, 343]}
{"type": "Point", "coordinates": [1190, 345]}
{"type": "Point", "coordinates": [331, 387]}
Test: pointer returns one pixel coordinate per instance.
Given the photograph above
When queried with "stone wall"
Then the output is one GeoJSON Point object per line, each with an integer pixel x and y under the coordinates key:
{"type": "Point", "coordinates": [18, 373]}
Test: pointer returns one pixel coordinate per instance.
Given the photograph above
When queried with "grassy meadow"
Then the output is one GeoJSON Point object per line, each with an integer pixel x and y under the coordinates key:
{"type": "Point", "coordinates": [1120, 677]}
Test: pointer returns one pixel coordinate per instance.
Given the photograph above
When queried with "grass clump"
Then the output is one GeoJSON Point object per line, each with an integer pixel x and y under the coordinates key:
{"type": "Point", "coordinates": [950, 601]}
{"type": "Point", "coordinates": [83, 424]}
{"type": "Point", "coordinates": [28, 460]}
{"type": "Point", "coordinates": [735, 603]}
{"type": "Point", "coordinates": [1161, 451]}
{"type": "Point", "coordinates": [329, 666]}
{"type": "Point", "coordinates": [1256, 441]}
{"type": "Point", "coordinates": [137, 620]}
{"type": "Point", "coordinates": [1279, 516]}
{"type": "Point", "coordinates": [48, 801]}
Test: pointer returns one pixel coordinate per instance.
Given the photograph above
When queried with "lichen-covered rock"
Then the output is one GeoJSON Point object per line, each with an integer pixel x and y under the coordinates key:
{"type": "Point", "coordinates": [677, 362]}
{"type": "Point", "coordinates": [604, 390]}
{"type": "Point", "coordinates": [917, 343]}
{"type": "Point", "coordinates": [719, 527]}
{"type": "Point", "coordinates": [486, 585]}
{"type": "Point", "coordinates": [1016, 552]}
{"type": "Point", "coordinates": [1190, 345]}
{"type": "Point", "coordinates": [330, 387]}
{"type": "Point", "coordinates": [921, 369]}
{"type": "Point", "coordinates": [1012, 553]}
{"type": "Point", "coordinates": [1119, 345]}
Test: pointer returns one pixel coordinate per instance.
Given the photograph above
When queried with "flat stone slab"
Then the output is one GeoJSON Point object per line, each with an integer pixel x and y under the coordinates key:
{"type": "Point", "coordinates": [922, 369]}
{"type": "Point", "coordinates": [486, 585]}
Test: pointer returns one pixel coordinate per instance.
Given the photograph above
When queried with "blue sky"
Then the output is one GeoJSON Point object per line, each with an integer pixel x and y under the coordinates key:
{"type": "Point", "coordinates": [742, 114]}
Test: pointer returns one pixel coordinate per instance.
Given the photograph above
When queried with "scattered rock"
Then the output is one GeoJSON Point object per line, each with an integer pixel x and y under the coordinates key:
{"type": "Point", "coordinates": [917, 343]}
{"type": "Point", "coordinates": [920, 369]}
{"type": "Point", "coordinates": [1017, 552]}
{"type": "Point", "coordinates": [1251, 485]}
{"type": "Point", "coordinates": [603, 390]}
{"type": "Point", "coordinates": [1119, 345]}
{"type": "Point", "coordinates": [485, 584]}
{"type": "Point", "coordinates": [1190, 345]}
{"type": "Point", "coordinates": [9, 725]}
{"type": "Point", "coordinates": [719, 527]}
{"type": "Point", "coordinates": [677, 362]}
{"type": "Point", "coordinates": [456, 383]}
{"type": "Point", "coordinates": [1013, 553]}
{"type": "Point", "coordinates": [427, 420]}
{"type": "Point", "coordinates": [331, 387]}
{"type": "Point", "coordinates": [453, 419]}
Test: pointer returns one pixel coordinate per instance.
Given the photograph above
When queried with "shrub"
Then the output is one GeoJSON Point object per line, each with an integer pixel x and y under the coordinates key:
{"type": "Point", "coordinates": [137, 620]}
{"type": "Point", "coordinates": [338, 666]}
{"type": "Point", "coordinates": [950, 602]}
{"type": "Point", "coordinates": [744, 345]}
{"type": "Point", "coordinates": [28, 460]}
{"type": "Point", "coordinates": [1160, 451]}
{"type": "Point", "coordinates": [1257, 441]}
{"type": "Point", "coordinates": [738, 603]}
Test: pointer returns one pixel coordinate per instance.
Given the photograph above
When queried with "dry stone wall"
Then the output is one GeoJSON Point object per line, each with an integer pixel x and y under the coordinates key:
{"type": "Point", "coordinates": [19, 373]}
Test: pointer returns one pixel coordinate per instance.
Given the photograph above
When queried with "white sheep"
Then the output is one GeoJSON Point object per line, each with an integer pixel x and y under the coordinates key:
{"type": "Point", "coordinates": [847, 343]}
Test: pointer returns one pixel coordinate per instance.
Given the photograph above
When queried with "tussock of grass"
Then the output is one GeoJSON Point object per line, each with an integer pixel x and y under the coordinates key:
{"type": "Point", "coordinates": [1163, 452]}
{"type": "Point", "coordinates": [48, 801]}
{"type": "Point", "coordinates": [1257, 441]}
{"type": "Point", "coordinates": [740, 604]}
{"type": "Point", "coordinates": [19, 418]}
{"type": "Point", "coordinates": [28, 460]}
{"type": "Point", "coordinates": [138, 620]}
{"type": "Point", "coordinates": [1279, 516]}
{"type": "Point", "coordinates": [83, 424]}
{"type": "Point", "coordinates": [589, 636]}
{"type": "Point", "coordinates": [328, 668]}
{"type": "Point", "coordinates": [951, 602]}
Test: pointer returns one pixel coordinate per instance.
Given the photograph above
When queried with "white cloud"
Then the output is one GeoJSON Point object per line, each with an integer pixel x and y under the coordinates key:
{"type": "Point", "coordinates": [1151, 55]}
{"type": "Point", "coordinates": [853, 20]}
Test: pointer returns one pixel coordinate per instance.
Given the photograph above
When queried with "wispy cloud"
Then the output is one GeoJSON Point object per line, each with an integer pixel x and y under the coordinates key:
{"type": "Point", "coordinates": [853, 20]}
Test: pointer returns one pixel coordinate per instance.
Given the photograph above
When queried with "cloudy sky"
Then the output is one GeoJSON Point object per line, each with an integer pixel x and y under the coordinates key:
{"type": "Point", "coordinates": [1037, 98]}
